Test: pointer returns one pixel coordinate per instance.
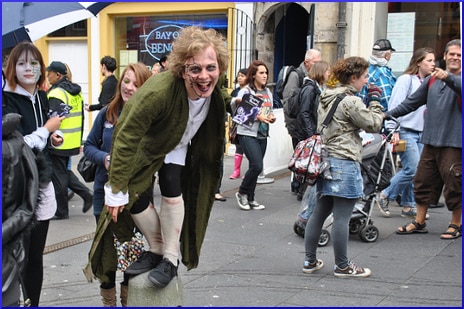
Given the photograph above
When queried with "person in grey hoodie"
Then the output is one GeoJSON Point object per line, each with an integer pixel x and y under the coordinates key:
{"type": "Point", "coordinates": [440, 165]}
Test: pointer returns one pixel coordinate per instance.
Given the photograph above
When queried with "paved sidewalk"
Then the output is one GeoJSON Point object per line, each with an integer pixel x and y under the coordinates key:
{"type": "Point", "coordinates": [253, 258]}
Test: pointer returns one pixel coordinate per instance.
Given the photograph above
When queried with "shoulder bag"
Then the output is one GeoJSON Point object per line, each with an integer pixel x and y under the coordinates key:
{"type": "Point", "coordinates": [307, 161]}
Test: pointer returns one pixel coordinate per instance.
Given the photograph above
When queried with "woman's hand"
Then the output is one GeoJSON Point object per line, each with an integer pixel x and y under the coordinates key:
{"type": "Point", "coordinates": [269, 119]}
{"type": "Point", "coordinates": [107, 162]}
{"type": "Point", "coordinates": [53, 123]}
{"type": "Point", "coordinates": [56, 140]}
{"type": "Point", "coordinates": [114, 211]}
{"type": "Point", "coordinates": [395, 139]}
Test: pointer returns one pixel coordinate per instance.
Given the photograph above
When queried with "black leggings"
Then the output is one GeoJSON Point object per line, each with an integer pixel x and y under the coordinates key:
{"type": "Point", "coordinates": [33, 272]}
{"type": "Point", "coordinates": [169, 182]}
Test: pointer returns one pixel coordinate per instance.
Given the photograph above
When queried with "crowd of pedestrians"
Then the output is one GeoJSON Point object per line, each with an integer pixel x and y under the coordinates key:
{"type": "Point", "coordinates": [168, 125]}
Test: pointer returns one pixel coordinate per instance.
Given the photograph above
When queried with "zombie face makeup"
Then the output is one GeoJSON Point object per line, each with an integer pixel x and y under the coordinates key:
{"type": "Point", "coordinates": [201, 74]}
{"type": "Point", "coordinates": [27, 70]}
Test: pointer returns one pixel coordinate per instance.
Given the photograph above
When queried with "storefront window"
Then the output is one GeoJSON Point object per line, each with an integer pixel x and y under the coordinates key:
{"type": "Point", "coordinates": [148, 38]}
{"type": "Point", "coordinates": [436, 23]}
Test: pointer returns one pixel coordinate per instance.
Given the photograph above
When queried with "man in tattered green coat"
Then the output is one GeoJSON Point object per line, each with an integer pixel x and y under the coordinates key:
{"type": "Point", "coordinates": [173, 125]}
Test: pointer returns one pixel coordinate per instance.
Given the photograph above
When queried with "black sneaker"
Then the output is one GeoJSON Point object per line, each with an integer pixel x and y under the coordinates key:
{"type": "Point", "coordinates": [163, 274]}
{"type": "Point", "coordinates": [146, 262]}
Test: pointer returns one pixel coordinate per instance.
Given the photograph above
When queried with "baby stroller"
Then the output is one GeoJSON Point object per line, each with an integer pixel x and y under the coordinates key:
{"type": "Point", "coordinates": [377, 169]}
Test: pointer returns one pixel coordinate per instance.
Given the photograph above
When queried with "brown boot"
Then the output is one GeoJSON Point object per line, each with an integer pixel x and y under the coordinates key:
{"type": "Point", "coordinates": [123, 296]}
{"type": "Point", "coordinates": [108, 297]}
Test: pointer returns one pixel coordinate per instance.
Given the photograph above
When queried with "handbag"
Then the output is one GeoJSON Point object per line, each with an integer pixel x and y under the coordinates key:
{"type": "Point", "coordinates": [310, 158]}
{"type": "Point", "coordinates": [129, 251]}
{"type": "Point", "coordinates": [233, 133]}
{"type": "Point", "coordinates": [87, 169]}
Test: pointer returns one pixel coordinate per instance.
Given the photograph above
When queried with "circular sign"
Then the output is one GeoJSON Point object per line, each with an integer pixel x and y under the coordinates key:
{"type": "Point", "coordinates": [159, 41]}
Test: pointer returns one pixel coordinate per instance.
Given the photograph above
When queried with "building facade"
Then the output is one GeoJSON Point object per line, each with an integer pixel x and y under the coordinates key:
{"type": "Point", "coordinates": [277, 33]}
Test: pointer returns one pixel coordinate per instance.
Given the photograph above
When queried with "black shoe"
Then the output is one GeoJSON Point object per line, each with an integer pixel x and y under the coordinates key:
{"type": "Point", "coordinates": [88, 202]}
{"type": "Point", "coordinates": [147, 261]}
{"type": "Point", "coordinates": [70, 194]}
{"type": "Point", "coordinates": [299, 196]}
{"type": "Point", "coordinates": [398, 199]}
{"type": "Point", "coordinates": [163, 274]}
{"type": "Point", "coordinates": [60, 217]}
{"type": "Point", "coordinates": [438, 205]}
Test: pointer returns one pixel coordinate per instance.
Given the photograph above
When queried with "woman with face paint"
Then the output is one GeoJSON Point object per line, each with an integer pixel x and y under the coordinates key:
{"type": "Point", "coordinates": [25, 74]}
{"type": "Point", "coordinates": [173, 125]}
{"type": "Point", "coordinates": [254, 140]}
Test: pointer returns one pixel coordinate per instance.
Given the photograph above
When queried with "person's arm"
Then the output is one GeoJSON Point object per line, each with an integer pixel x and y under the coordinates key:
{"type": "Point", "coordinates": [402, 89]}
{"type": "Point", "coordinates": [93, 142]}
{"type": "Point", "coordinates": [106, 95]}
{"type": "Point", "coordinates": [370, 118]}
{"type": "Point", "coordinates": [307, 117]}
{"type": "Point", "coordinates": [412, 102]}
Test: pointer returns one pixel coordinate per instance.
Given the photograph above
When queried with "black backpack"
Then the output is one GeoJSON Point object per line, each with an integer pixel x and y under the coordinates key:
{"type": "Point", "coordinates": [294, 102]}
{"type": "Point", "coordinates": [282, 79]}
{"type": "Point", "coordinates": [20, 187]}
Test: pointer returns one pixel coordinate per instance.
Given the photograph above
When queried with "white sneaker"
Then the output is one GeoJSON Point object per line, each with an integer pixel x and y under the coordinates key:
{"type": "Point", "coordinates": [255, 205]}
{"type": "Point", "coordinates": [242, 201]}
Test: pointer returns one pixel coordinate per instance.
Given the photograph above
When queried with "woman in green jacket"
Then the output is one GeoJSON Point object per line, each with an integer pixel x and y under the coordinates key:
{"type": "Point", "coordinates": [173, 125]}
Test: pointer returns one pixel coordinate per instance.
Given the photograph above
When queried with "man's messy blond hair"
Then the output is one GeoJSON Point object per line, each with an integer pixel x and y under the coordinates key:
{"type": "Point", "coordinates": [192, 41]}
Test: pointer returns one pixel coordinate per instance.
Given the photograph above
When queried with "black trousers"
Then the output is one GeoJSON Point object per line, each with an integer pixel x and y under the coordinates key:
{"type": "Point", "coordinates": [33, 272]}
{"type": "Point", "coordinates": [63, 179]}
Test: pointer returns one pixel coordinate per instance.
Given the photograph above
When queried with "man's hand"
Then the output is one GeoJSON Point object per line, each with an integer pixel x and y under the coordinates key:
{"type": "Point", "coordinates": [440, 74]}
{"type": "Point", "coordinates": [114, 211]}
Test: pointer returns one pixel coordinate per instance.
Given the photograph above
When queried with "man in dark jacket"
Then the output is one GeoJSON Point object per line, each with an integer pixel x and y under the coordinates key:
{"type": "Point", "coordinates": [109, 84]}
{"type": "Point", "coordinates": [293, 83]}
{"type": "Point", "coordinates": [65, 98]}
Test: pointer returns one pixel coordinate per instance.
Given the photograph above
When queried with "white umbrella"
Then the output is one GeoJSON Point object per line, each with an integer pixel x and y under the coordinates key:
{"type": "Point", "coordinates": [33, 20]}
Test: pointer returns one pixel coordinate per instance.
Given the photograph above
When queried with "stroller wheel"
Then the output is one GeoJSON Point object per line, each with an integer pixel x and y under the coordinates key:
{"type": "Point", "coordinates": [324, 238]}
{"type": "Point", "coordinates": [355, 226]}
{"type": "Point", "coordinates": [298, 229]}
{"type": "Point", "coordinates": [369, 233]}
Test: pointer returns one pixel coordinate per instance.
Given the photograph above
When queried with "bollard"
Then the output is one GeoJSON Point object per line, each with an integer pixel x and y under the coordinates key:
{"type": "Point", "coordinates": [142, 293]}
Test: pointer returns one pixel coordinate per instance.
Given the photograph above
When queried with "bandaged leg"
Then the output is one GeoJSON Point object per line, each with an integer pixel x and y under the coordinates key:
{"type": "Point", "coordinates": [171, 218]}
{"type": "Point", "coordinates": [148, 223]}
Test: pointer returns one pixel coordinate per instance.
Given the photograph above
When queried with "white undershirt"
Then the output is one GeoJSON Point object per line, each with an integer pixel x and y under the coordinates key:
{"type": "Point", "coordinates": [198, 110]}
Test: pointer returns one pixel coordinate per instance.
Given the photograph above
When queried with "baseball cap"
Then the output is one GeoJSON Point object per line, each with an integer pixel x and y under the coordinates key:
{"type": "Point", "coordinates": [383, 45]}
{"type": "Point", "coordinates": [58, 67]}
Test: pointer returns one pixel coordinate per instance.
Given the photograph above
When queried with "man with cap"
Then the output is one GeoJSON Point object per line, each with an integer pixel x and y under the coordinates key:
{"type": "Point", "coordinates": [66, 99]}
{"type": "Point", "coordinates": [379, 73]}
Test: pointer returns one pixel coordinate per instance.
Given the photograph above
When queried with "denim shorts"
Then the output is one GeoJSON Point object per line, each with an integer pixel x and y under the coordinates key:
{"type": "Point", "coordinates": [347, 181]}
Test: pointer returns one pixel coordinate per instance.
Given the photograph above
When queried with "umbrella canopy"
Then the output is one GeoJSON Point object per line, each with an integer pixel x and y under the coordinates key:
{"type": "Point", "coordinates": [32, 20]}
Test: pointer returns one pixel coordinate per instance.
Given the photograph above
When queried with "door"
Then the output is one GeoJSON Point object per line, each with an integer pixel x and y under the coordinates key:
{"type": "Point", "coordinates": [75, 55]}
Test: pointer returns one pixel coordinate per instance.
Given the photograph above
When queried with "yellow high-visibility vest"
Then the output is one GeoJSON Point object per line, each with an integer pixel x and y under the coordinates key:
{"type": "Point", "coordinates": [71, 126]}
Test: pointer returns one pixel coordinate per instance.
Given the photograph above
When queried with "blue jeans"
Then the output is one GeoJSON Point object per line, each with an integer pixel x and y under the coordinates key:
{"type": "Point", "coordinates": [402, 182]}
{"type": "Point", "coordinates": [254, 149]}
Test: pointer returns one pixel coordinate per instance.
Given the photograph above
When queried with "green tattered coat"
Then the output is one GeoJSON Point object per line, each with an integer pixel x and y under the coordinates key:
{"type": "Point", "coordinates": [150, 126]}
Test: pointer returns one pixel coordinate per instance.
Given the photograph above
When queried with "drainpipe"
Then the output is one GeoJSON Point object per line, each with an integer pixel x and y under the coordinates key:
{"type": "Point", "coordinates": [341, 26]}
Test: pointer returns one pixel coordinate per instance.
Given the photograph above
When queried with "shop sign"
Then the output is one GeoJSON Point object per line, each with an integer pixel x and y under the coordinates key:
{"type": "Point", "coordinates": [159, 41]}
